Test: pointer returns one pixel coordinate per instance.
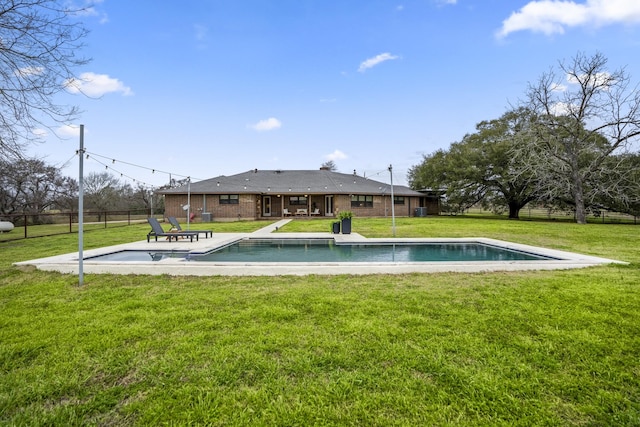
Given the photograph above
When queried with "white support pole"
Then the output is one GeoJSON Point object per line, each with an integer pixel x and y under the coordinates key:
{"type": "Point", "coordinates": [188, 202]}
{"type": "Point", "coordinates": [81, 209]}
{"type": "Point", "coordinates": [393, 210]}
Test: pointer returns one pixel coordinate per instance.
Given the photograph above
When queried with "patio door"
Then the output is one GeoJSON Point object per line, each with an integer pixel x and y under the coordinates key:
{"type": "Point", "coordinates": [266, 206]}
{"type": "Point", "coordinates": [328, 205]}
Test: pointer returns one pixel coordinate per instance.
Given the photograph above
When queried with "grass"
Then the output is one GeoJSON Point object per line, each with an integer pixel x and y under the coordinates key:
{"type": "Point", "coordinates": [525, 348]}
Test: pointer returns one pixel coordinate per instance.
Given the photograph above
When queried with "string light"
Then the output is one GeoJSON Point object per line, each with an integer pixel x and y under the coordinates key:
{"type": "Point", "coordinates": [123, 175]}
{"type": "Point", "coordinates": [152, 170]}
{"type": "Point", "coordinates": [112, 161]}
{"type": "Point", "coordinates": [171, 175]}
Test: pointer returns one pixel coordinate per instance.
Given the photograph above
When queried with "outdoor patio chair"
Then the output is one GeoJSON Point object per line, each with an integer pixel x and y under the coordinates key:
{"type": "Point", "coordinates": [316, 211]}
{"type": "Point", "coordinates": [285, 212]}
{"type": "Point", "coordinates": [174, 222]}
{"type": "Point", "coordinates": [156, 230]}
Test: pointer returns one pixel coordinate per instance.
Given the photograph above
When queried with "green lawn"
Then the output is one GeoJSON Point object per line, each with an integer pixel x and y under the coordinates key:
{"type": "Point", "coordinates": [528, 348]}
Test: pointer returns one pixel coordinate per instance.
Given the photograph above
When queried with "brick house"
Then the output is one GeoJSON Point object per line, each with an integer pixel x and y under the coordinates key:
{"type": "Point", "coordinates": [261, 194]}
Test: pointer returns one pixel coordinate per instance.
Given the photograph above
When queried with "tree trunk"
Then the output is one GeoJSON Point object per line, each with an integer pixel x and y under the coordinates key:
{"type": "Point", "coordinates": [578, 197]}
{"type": "Point", "coordinates": [514, 210]}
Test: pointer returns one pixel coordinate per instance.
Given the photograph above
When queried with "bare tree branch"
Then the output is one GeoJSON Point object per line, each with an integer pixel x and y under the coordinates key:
{"type": "Point", "coordinates": [40, 41]}
{"type": "Point", "coordinates": [581, 122]}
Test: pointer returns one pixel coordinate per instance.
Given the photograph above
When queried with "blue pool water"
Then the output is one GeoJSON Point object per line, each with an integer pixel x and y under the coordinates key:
{"type": "Point", "coordinates": [327, 251]}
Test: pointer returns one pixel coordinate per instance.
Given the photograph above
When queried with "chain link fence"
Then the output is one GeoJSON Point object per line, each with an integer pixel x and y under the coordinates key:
{"type": "Point", "coordinates": [49, 224]}
{"type": "Point", "coordinates": [539, 213]}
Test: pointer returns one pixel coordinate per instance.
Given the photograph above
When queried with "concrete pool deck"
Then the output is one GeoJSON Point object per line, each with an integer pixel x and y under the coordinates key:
{"type": "Point", "coordinates": [68, 263]}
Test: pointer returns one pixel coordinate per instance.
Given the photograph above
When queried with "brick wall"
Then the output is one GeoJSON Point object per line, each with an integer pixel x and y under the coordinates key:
{"type": "Point", "coordinates": [249, 206]}
{"type": "Point", "coordinates": [246, 208]}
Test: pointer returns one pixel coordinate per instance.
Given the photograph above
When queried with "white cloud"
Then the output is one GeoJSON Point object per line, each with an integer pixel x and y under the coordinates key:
{"type": "Point", "coordinates": [336, 155]}
{"type": "Point", "coordinates": [553, 16]}
{"type": "Point", "coordinates": [96, 85]}
{"type": "Point", "coordinates": [378, 59]}
{"type": "Point", "coordinates": [598, 80]}
{"type": "Point", "coordinates": [268, 124]}
{"type": "Point", "coordinates": [29, 71]}
{"type": "Point", "coordinates": [69, 131]}
{"type": "Point", "coordinates": [560, 108]}
{"type": "Point", "coordinates": [88, 8]}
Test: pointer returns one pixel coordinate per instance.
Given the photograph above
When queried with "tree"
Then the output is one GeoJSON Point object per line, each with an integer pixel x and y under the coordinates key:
{"type": "Point", "coordinates": [101, 191]}
{"type": "Point", "coordinates": [67, 197]}
{"type": "Point", "coordinates": [141, 198]}
{"type": "Point", "coordinates": [622, 173]}
{"type": "Point", "coordinates": [104, 192]}
{"type": "Point", "coordinates": [329, 165]}
{"type": "Point", "coordinates": [39, 46]}
{"type": "Point", "coordinates": [31, 186]}
{"type": "Point", "coordinates": [577, 130]}
{"type": "Point", "coordinates": [480, 167]}
{"type": "Point", "coordinates": [448, 170]}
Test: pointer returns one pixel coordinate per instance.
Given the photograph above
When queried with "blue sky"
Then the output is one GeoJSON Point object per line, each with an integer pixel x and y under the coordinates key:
{"type": "Point", "coordinates": [205, 88]}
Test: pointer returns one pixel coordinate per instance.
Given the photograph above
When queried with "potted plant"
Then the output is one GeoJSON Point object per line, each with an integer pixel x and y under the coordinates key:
{"type": "Point", "coordinates": [345, 220]}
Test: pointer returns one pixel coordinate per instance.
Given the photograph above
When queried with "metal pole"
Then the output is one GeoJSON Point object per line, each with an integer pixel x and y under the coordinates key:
{"type": "Point", "coordinates": [81, 209]}
{"type": "Point", "coordinates": [188, 202]}
{"type": "Point", "coordinates": [393, 210]}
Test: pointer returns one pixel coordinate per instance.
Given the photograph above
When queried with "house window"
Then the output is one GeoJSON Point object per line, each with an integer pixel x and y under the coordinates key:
{"type": "Point", "coordinates": [361, 201]}
{"type": "Point", "coordinates": [229, 199]}
{"type": "Point", "coordinates": [398, 200]}
{"type": "Point", "coordinates": [298, 200]}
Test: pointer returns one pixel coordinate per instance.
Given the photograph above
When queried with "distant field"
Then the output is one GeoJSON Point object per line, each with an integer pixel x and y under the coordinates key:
{"type": "Point", "coordinates": [604, 217]}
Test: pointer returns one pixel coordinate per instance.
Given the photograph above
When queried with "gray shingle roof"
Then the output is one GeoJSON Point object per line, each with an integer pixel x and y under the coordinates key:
{"type": "Point", "coordinates": [293, 182]}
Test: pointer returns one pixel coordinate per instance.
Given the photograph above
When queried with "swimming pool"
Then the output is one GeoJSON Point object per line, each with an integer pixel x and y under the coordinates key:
{"type": "Point", "coordinates": [182, 258]}
{"type": "Point", "coordinates": [328, 251]}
